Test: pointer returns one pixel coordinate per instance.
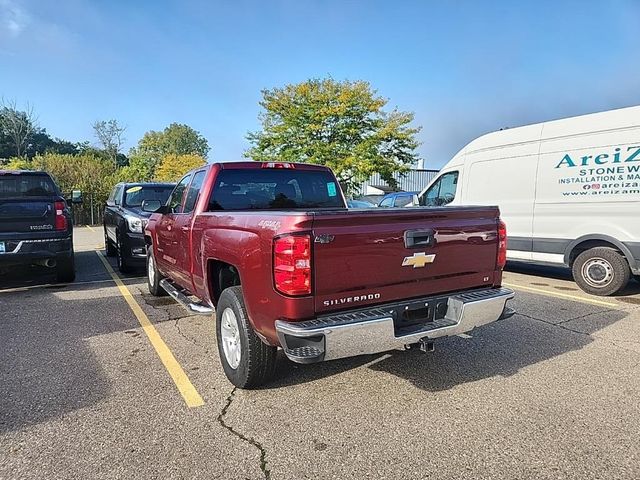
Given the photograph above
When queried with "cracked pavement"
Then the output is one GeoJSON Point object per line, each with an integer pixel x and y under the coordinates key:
{"type": "Point", "coordinates": [549, 393]}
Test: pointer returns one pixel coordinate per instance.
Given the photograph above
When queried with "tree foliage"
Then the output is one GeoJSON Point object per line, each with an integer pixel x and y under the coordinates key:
{"type": "Point", "coordinates": [16, 128]}
{"type": "Point", "coordinates": [176, 139]}
{"type": "Point", "coordinates": [86, 172]}
{"type": "Point", "coordinates": [172, 167]}
{"type": "Point", "coordinates": [338, 124]}
{"type": "Point", "coordinates": [110, 134]}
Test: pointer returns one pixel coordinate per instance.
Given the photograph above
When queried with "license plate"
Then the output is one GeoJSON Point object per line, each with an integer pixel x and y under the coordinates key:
{"type": "Point", "coordinates": [2, 247]}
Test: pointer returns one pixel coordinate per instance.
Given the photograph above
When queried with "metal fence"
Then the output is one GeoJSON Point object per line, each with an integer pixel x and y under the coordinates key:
{"type": "Point", "coordinates": [90, 211]}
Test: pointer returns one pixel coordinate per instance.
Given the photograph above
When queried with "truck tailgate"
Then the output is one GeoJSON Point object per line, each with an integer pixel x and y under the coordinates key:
{"type": "Point", "coordinates": [378, 256]}
{"type": "Point", "coordinates": [26, 214]}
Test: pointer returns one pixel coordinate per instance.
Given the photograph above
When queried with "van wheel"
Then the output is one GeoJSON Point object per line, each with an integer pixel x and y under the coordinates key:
{"type": "Point", "coordinates": [246, 360]}
{"type": "Point", "coordinates": [601, 271]}
{"type": "Point", "coordinates": [66, 269]}
{"type": "Point", "coordinates": [153, 275]}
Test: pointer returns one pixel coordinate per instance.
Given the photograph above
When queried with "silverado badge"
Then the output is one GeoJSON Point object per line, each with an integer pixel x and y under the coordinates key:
{"type": "Point", "coordinates": [418, 260]}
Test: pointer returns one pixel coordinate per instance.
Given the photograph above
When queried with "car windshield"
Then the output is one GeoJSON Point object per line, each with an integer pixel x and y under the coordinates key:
{"type": "Point", "coordinates": [21, 185]}
{"type": "Point", "coordinates": [266, 188]}
{"type": "Point", "coordinates": [135, 195]}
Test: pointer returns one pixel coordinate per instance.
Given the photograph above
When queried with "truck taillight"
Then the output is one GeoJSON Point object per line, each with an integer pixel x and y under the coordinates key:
{"type": "Point", "coordinates": [61, 220]}
{"type": "Point", "coordinates": [502, 245]}
{"type": "Point", "coordinates": [292, 264]}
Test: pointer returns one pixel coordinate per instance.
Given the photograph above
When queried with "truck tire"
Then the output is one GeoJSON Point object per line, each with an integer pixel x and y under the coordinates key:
{"type": "Point", "coordinates": [110, 250]}
{"type": "Point", "coordinates": [66, 269]}
{"type": "Point", "coordinates": [123, 265]}
{"type": "Point", "coordinates": [246, 360]}
{"type": "Point", "coordinates": [153, 275]}
{"type": "Point", "coordinates": [601, 271]}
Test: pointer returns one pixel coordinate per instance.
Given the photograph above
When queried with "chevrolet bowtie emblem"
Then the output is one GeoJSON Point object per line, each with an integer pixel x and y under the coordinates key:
{"type": "Point", "coordinates": [418, 260]}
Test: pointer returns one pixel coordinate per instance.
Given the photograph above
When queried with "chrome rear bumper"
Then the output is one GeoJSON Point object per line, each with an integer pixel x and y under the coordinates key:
{"type": "Point", "coordinates": [373, 331]}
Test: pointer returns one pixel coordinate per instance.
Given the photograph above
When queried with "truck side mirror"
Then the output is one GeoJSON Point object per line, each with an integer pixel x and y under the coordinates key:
{"type": "Point", "coordinates": [76, 196]}
{"type": "Point", "coordinates": [152, 206]}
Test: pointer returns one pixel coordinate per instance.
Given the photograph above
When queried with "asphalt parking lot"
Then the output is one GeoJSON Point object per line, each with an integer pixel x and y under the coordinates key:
{"type": "Point", "coordinates": [549, 393]}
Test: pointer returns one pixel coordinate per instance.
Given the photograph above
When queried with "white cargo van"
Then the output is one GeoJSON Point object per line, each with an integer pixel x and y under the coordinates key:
{"type": "Point", "coordinates": [569, 191]}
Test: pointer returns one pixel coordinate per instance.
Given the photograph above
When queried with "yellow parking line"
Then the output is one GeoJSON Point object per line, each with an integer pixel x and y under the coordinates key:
{"type": "Point", "coordinates": [184, 385]}
{"type": "Point", "coordinates": [560, 295]}
{"type": "Point", "coordinates": [90, 228]}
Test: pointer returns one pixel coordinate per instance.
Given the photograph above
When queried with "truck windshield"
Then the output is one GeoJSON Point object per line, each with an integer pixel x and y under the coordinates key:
{"type": "Point", "coordinates": [26, 185]}
{"type": "Point", "coordinates": [272, 189]}
{"type": "Point", "coordinates": [134, 196]}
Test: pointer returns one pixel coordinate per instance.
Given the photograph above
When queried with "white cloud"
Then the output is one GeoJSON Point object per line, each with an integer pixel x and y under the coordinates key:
{"type": "Point", "coordinates": [14, 19]}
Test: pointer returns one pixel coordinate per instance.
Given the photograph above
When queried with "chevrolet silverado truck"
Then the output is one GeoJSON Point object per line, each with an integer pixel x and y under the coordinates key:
{"type": "Point", "coordinates": [273, 250]}
{"type": "Point", "coordinates": [35, 223]}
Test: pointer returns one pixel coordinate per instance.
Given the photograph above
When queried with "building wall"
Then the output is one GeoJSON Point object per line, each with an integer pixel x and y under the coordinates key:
{"type": "Point", "coordinates": [413, 180]}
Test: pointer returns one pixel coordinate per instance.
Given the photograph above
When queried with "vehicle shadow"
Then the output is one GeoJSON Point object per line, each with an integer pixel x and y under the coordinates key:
{"type": "Point", "coordinates": [48, 367]}
{"type": "Point", "coordinates": [501, 349]}
{"type": "Point", "coordinates": [560, 273]}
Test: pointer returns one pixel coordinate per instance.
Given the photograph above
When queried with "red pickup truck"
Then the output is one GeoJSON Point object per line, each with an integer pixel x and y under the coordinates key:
{"type": "Point", "coordinates": [272, 248]}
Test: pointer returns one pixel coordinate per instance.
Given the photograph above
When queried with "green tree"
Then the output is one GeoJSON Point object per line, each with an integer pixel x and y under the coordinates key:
{"type": "Point", "coordinates": [110, 134]}
{"type": "Point", "coordinates": [172, 167]}
{"type": "Point", "coordinates": [137, 170]}
{"type": "Point", "coordinates": [16, 129]}
{"type": "Point", "coordinates": [338, 124]}
{"type": "Point", "coordinates": [176, 139]}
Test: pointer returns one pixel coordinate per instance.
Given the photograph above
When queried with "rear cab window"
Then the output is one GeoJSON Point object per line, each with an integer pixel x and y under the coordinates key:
{"type": "Point", "coordinates": [16, 185]}
{"type": "Point", "coordinates": [275, 189]}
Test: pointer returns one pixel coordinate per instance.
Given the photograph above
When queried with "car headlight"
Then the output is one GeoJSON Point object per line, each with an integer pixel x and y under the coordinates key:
{"type": "Point", "coordinates": [134, 224]}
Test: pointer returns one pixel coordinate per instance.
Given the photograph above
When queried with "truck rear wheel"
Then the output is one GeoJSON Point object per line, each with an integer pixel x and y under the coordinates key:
{"type": "Point", "coordinates": [601, 271]}
{"type": "Point", "coordinates": [153, 275]}
{"type": "Point", "coordinates": [246, 360]}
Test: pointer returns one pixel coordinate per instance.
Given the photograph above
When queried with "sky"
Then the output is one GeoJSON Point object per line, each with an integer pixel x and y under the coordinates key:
{"type": "Point", "coordinates": [464, 68]}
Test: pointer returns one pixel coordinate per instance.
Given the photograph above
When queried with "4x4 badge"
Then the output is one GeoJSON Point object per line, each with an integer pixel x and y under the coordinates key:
{"type": "Point", "coordinates": [418, 260]}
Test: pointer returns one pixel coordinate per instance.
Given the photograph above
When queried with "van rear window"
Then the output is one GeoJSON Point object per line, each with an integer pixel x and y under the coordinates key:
{"type": "Point", "coordinates": [26, 185]}
{"type": "Point", "coordinates": [274, 189]}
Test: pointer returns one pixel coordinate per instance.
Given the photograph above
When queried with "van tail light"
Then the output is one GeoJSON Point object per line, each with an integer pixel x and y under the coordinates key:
{"type": "Point", "coordinates": [292, 264]}
{"type": "Point", "coordinates": [61, 220]}
{"type": "Point", "coordinates": [501, 261]}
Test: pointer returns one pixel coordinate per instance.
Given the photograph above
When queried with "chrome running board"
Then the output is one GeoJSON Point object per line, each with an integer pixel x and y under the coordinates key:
{"type": "Point", "coordinates": [197, 308]}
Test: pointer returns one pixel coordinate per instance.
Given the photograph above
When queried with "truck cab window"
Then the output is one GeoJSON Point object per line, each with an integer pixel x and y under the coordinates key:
{"type": "Point", "coordinates": [117, 195]}
{"type": "Point", "coordinates": [387, 202]}
{"type": "Point", "coordinates": [175, 200]}
{"type": "Point", "coordinates": [442, 192]}
{"type": "Point", "coordinates": [403, 200]}
{"type": "Point", "coordinates": [194, 190]}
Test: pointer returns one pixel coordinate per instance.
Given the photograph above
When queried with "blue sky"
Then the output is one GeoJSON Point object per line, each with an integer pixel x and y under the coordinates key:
{"type": "Point", "coordinates": [463, 68]}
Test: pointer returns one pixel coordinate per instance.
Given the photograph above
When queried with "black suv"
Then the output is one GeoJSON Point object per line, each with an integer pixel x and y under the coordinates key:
{"type": "Point", "coordinates": [35, 223]}
{"type": "Point", "coordinates": [124, 220]}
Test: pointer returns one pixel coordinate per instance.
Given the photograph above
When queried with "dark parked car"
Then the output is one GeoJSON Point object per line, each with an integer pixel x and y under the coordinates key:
{"type": "Point", "coordinates": [399, 199]}
{"type": "Point", "coordinates": [35, 223]}
{"type": "Point", "coordinates": [124, 220]}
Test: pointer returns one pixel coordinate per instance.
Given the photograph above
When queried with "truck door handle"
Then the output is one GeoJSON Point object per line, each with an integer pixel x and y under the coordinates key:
{"type": "Point", "coordinates": [419, 238]}
{"type": "Point", "coordinates": [184, 229]}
